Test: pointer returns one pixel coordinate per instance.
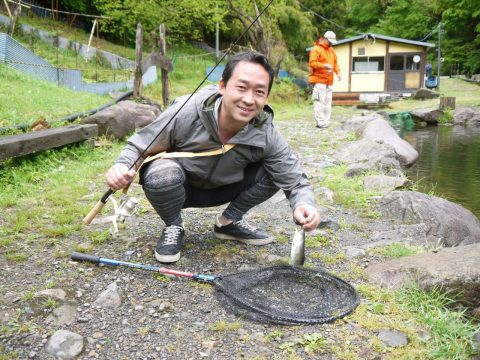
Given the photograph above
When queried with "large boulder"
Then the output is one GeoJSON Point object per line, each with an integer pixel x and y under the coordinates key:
{"type": "Point", "coordinates": [123, 118]}
{"type": "Point", "coordinates": [380, 129]}
{"type": "Point", "coordinates": [383, 183]}
{"type": "Point", "coordinates": [367, 155]}
{"type": "Point", "coordinates": [422, 94]}
{"type": "Point", "coordinates": [450, 269]}
{"type": "Point", "coordinates": [466, 115]}
{"type": "Point", "coordinates": [448, 223]}
{"type": "Point", "coordinates": [430, 116]}
{"type": "Point", "coordinates": [357, 123]}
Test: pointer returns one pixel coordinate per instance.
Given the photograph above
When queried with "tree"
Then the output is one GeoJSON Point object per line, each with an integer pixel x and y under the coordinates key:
{"type": "Point", "coordinates": [461, 45]}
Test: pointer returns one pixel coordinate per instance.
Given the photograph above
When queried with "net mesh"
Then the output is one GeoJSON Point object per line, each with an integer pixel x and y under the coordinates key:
{"type": "Point", "coordinates": [286, 295]}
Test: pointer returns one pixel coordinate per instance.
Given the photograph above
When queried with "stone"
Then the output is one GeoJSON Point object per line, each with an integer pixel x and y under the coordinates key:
{"type": "Point", "coordinates": [123, 118]}
{"type": "Point", "coordinates": [109, 298]}
{"type": "Point", "coordinates": [449, 269]}
{"type": "Point", "coordinates": [430, 116]}
{"type": "Point", "coordinates": [380, 129]}
{"type": "Point", "coordinates": [64, 344]}
{"type": "Point", "coordinates": [448, 223]}
{"type": "Point", "coordinates": [374, 154]}
{"type": "Point", "coordinates": [422, 94]}
{"type": "Point", "coordinates": [383, 183]}
{"type": "Point", "coordinates": [393, 338]}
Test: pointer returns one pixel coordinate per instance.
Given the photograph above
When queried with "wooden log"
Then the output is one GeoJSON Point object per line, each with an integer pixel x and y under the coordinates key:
{"type": "Point", "coordinates": [30, 143]}
{"type": "Point", "coordinates": [447, 103]}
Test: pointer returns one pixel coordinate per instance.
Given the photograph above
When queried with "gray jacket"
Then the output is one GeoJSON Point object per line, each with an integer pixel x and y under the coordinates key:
{"type": "Point", "coordinates": [195, 129]}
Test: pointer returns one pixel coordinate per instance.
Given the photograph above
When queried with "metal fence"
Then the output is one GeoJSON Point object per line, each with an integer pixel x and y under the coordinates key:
{"type": "Point", "coordinates": [18, 57]}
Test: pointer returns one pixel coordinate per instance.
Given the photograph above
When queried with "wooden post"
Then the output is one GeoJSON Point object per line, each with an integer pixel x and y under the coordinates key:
{"type": "Point", "coordinates": [137, 83]}
{"type": "Point", "coordinates": [13, 20]}
{"type": "Point", "coordinates": [163, 51]}
{"type": "Point", "coordinates": [447, 103]}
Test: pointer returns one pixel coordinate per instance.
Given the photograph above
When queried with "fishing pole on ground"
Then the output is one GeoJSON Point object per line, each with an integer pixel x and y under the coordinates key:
{"type": "Point", "coordinates": [101, 203]}
{"type": "Point", "coordinates": [283, 294]}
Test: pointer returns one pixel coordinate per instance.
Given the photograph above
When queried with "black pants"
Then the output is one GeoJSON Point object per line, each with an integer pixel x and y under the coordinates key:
{"type": "Point", "coordinates": [167, 188]}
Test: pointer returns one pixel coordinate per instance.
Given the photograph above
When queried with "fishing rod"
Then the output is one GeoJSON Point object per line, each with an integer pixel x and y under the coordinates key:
{"type": "Point", "coordinates": [101, 203]}
{"type": "Point", "coordinates": [76, 256]}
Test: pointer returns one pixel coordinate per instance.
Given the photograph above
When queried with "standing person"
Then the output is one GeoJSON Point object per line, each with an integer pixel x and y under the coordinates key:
{"type": "Point", "coordinates": [323, 63]}
{"type": "Point", "coordinates": [261, 162]}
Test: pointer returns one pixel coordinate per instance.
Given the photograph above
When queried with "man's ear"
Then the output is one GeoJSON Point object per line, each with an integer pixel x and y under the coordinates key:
{"type": "Point", "coordinates": [221, 86]}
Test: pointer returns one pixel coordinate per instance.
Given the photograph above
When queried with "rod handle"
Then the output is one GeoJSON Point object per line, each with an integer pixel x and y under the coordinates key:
{"type": "Point", "coordinates": [95, 210]}
{"type": "Point", "coordinates": [76, 256]}
{"type": "Point", "coordinates": [98, 207]}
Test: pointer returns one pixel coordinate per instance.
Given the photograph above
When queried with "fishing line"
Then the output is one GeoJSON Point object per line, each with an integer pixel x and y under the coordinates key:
{"type": "Point", "coordinates": [96, 209]}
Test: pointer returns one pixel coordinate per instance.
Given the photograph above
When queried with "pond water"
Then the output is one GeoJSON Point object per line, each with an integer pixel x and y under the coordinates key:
{"type": "Point", "coordinates": [448, 164]}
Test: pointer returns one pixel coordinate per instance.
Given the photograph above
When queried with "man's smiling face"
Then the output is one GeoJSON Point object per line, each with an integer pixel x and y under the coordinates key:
{"type": "Point", "coordinates": [244, 95]}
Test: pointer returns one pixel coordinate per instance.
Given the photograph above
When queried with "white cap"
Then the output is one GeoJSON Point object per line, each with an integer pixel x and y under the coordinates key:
{"type": "Point", "coordinates": [331, 37]}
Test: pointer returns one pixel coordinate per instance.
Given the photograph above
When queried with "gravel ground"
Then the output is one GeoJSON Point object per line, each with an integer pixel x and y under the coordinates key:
{"type": "Point", "coordinates": [163, 318]}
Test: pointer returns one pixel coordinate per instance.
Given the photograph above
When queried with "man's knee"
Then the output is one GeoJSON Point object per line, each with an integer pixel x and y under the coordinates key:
{"type": "Point", "coordinates": [163, 174]}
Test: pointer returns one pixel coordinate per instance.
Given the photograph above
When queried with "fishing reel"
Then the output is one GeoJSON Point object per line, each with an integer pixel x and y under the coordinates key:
{"type": "Point", "coordinates": [128, 206]}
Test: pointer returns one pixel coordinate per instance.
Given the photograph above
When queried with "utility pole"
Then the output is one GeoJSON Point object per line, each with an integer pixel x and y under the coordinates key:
{"type": "Point", "coordinates": [439, 56]}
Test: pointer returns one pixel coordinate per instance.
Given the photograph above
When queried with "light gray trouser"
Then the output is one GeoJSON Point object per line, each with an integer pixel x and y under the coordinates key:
{"type": "Point", "coordinates": [167, 188]}
{"type": "Point", "coordinates": [322, 103]}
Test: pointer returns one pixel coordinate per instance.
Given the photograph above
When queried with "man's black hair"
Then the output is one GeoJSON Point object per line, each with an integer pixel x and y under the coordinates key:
{"type": "Point", "coordinates": [249, 56]}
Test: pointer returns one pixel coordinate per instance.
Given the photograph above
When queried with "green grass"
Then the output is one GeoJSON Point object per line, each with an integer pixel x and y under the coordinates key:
{"type": "Point", "coordinates": [451, 332]}
{"type": "Point", "coordinates": [30, 99]}
{"type": "Point", "coordinates": [394, 251]}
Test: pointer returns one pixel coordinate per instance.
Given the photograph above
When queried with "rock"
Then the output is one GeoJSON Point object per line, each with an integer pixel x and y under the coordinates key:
{"type": "Point", "coordinates": [369, 154]}
{"type": "Point", "coordinates": [325, 193]}
{"type": "Point", "coordinates": [63, 315]}
{"type": "Point", "coordinates": [450, 269]}
{"type": "Point", "coordinates": [383, 183]}
{"type": "Point", "coordinates": [430, 116]}
{"type": "Point", "coordinates": [422, 94]}
{"type": "Point", "coordinates": [380, 129]}
{"type": "Point", "coordinates": [353, 252]}
{"type": "Point", "coordinates": [448, 223]}
{"type": "Point", "coordinates": [359, 122]}
{"type": "Point", "coordinates": [415, 234]}
{"type": "Point", "coordinates": [393, 338]}
{"type": "Point", "coordinates": [123, 118]}
{"type": "Point", "coordinates": [266, 258]}
{"type": "Point", "coordinates": [109, 298]}
{"type": "Point", "coordinates": [57, 294]}
{"type": "Point", "coordinates": [465, 114]}
{"type": "Point", "coordinates": [64, 344]}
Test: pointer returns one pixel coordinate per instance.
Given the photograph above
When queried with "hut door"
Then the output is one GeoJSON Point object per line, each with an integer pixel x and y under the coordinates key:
{"type": "Point", "coordinates": [396, 72]}
{"type": "Point", "coordinates": [404, 72]}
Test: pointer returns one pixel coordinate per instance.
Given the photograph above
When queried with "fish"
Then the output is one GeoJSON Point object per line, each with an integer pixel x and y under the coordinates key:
{"type": "Point", "coordinates": [297, 252]}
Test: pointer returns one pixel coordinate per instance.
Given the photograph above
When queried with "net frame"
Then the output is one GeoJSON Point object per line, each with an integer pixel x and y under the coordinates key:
{"type": "Point", "coordinates": [241, 293]}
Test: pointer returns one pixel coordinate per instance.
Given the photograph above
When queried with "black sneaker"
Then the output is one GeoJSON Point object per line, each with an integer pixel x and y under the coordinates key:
{"type": "Point", "coordinates": [243, 232]}
{"type": "Point", "coordinates": [170, 243]}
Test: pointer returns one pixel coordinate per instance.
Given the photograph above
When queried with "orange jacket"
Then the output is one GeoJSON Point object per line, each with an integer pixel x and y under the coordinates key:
{"type": "Point", "coordinates": [320, 55]}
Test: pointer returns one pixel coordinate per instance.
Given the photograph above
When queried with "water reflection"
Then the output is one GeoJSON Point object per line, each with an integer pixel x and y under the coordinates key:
{"type": "Point", "coordinates": [449, 163]}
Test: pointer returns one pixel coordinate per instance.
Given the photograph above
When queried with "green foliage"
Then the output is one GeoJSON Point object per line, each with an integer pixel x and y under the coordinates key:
{"type": "Point", "coordinates": [407, 19]}
{"type": "Point", "coordinates": [447, 117]}
{"type": "Point", "coordinates": [397, 250]}
{"type": "Point", "coordinates": [452, 332]}
{"type": "Point", "coordinates": [184, 19]}
{"type": "Point", "coordinates": [30, 99]}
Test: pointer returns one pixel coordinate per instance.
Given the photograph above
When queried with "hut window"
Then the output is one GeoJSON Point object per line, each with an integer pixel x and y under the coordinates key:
{"type": "Point", "coordinates": [368, 63]}
{"type": "Point", "coordinates": [361, 51]}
